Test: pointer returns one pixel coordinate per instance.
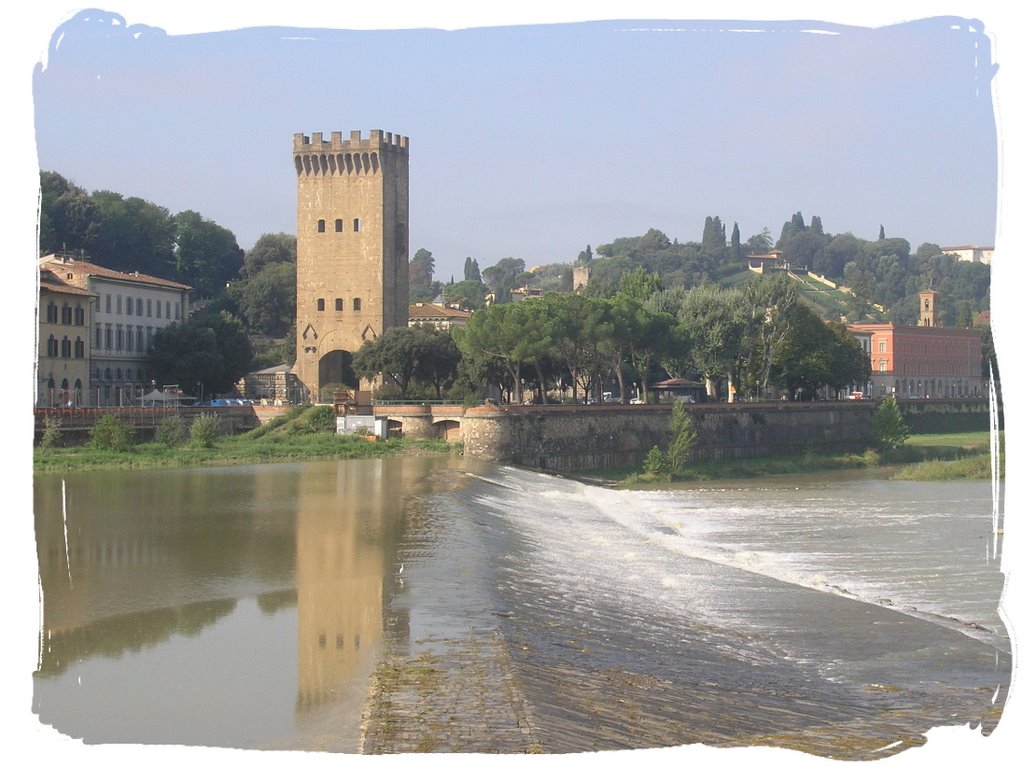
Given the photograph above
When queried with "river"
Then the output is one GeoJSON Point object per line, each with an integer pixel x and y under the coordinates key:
{"type": "Point", "coordinates": [435, 603]}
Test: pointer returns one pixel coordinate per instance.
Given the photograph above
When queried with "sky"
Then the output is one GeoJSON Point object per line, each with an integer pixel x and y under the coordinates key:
{"type": "Point", "coordinates": [534, 131]}
{"type": "Point", "coordinates": [534, 141]}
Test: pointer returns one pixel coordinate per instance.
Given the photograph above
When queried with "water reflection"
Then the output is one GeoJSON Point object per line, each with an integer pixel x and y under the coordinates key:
{"type": "Point", "coordinates": [151, 575]}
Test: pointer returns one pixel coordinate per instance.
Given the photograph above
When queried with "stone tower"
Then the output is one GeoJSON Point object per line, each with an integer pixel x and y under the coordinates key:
{"type": "Point", "coordinates": [352, 260]}
{"type": "Point", "coordinates": [928, 316]}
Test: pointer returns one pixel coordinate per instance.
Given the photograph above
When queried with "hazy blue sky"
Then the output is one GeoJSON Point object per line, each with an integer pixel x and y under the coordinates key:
{"type": "Point", "coordinates": [534, 141]}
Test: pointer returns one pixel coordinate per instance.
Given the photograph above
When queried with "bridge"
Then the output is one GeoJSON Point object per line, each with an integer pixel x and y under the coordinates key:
{"type": "Point", "coordinates": [425, 420]}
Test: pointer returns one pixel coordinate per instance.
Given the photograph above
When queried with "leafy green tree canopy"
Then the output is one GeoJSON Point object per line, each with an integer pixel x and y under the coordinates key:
{"type": "Point", "coordinates": [207, 353]}
{"type": "Point", "coordinates": [207, 255]}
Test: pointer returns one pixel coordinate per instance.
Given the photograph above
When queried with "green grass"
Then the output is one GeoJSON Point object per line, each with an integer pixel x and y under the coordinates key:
{"type": "Point", "coordinates": [974, 440]}
{"type": "Point", "coordinates": [286, 439]}
{"type": "Point", "coordinates": [922, 457]}
{"type": "Point", "coordinates": [972, 467]}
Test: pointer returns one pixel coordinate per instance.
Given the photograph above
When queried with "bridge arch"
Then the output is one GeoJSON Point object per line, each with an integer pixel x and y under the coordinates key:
{"type": "Point", "coordinates": [448, 429]}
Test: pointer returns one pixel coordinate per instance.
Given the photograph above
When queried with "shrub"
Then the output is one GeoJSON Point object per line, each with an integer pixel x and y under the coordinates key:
{"type": "Point", "coordinates": [51, 432]}
{"type": "Point", "coordinates": [322, 418]}
{"type": "Point", "coordinates": [871, 457]}
{"type": "Point", "coordinates": [888, 425]}
{"type": "Point", "coordinates": [171, 431]}
{"type": "Point", "coordinates": [656, 463]}
{"type": "Point", "coordinates": [205, 429]}
{"type": "Point", "coordinates": [111, 434]}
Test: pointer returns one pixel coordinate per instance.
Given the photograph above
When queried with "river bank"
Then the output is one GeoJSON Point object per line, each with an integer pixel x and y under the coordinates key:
{"type": "Point", "coordinates": [924, 456]}
{"type": "Point", "coordinates": [963, 455]}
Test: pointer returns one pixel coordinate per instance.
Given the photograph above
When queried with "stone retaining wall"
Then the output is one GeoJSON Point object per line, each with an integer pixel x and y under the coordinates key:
{"type": "Point", "coordinates": [584, 438]}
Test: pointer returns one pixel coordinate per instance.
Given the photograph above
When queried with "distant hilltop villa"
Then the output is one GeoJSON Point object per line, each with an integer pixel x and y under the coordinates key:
{"type": "Point", "coordinates": [975, 253]}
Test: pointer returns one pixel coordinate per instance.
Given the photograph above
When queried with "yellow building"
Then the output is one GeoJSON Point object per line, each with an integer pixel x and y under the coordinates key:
{"type": "Point", "coordinates": [62, 371]}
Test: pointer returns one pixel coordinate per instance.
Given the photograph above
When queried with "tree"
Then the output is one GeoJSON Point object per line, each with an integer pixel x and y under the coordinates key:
{"type": "Point", "coordinates": [209, 353]}
{"type": "Point", "coordinates": [585, 256]}
{"type": "Point", "coordinates": [684, 437]}
{"type": "Point", "coordinates": [881, 233]}
{"type": "Point", "coordinates": [134, 236]}
{"type": "Point", "coordinates": [795, 225]}
{"type": "Point", "coordinates": [508, 335]}
{"type": "Point", "coordinates": [269, 249]}
{"type": "Point", "coordinates": [471, 271]}
{"type": "Point", "coordinates": [653, 240]}
{"type": "Point", "coordinates": [390, 354]}
{"type": "Point", "coordinates": [736, 250]}
{"type": "Point", "coordinates": [888, 425]}
{"type": "Point", "coordinates": [840, 251]}
{"type": "Point", "coordinates": [849, 363]}
{"type": "Point", "coordinates": [712, 318]}
{"type": "Point", "coordinates": [768, 309]}
{"type": "Point", "coordinates": [468, 295]}
{"type": "Point", "coordinates": [437, 358]}
{"type": "Point", "coordinates": [266, 301]}
{"type": "Point", "coordinates": [713, 244]}
{"type": "Point", "coordinates": [761, 242]}
{"type": "Point", "coordinates": [501, 277]}
{"type": "Point", "coordinates": [421, 268]}
{"type": "Point", "coordinates": [638, 285]}
{"type": "Point", "coordinates": [804, 247]}
{"type": "Point", "coordinates": [207, 255]}
{"type": "Point", "coordinates": [803, 358]}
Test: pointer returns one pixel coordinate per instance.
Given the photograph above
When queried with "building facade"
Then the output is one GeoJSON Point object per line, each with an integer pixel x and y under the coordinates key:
{"type": "Point", "coordinates": [976, 254]}
{"type": "Point", "coordinates": [64, 355]}
{"type": "Point", "coordinates": [436, 315]}
{"type": "Point", "coordinates": [352, 257]}
{"type": "Point", "coordinates": [125, 311]}
{"type": "Point", "coordinates": [925, 360]}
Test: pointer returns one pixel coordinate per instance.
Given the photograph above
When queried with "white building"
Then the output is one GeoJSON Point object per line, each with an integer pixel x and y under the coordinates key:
{"type": "Point", "coordinates": [973, 253]}
{"type": "Point", "coordinates": [126, 312]}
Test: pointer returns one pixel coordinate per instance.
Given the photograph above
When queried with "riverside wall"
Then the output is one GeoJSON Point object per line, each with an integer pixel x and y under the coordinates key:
{"type": "Point", "coordinates": [573, 439]}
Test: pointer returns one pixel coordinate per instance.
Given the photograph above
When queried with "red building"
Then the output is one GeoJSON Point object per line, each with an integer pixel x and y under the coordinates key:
{"type": "Point", "coordinates": [924, 360]}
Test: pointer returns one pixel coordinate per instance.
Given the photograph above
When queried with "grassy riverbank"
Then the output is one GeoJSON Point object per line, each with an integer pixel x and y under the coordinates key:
{"type": "Point", "coordinates": [290, 438]}
{"type": "Point", "coordinates": [922, 457]}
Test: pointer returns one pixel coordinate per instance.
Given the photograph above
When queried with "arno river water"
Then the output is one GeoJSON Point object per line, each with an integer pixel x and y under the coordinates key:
{"type": "Point", "coordinates": [259, 607]}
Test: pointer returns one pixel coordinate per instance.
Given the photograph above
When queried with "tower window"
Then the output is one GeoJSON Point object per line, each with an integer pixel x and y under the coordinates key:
{"type": "Point", "coordinates": [321, 225]}
{"type": "Point", "coordinates": [338, 224]}
{"type": "Point", "coordinates": [357, 304]}
{"type": "Point", "coordinates": [319, 304]}
{"type": "Point", "coordinates": [338, 305]}
{"type": "Point", "coordinates": [355, 225]}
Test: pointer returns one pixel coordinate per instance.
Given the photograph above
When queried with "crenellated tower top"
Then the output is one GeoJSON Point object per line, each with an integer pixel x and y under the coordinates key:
{"type": "Point", "coordinates": [338, 155]}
